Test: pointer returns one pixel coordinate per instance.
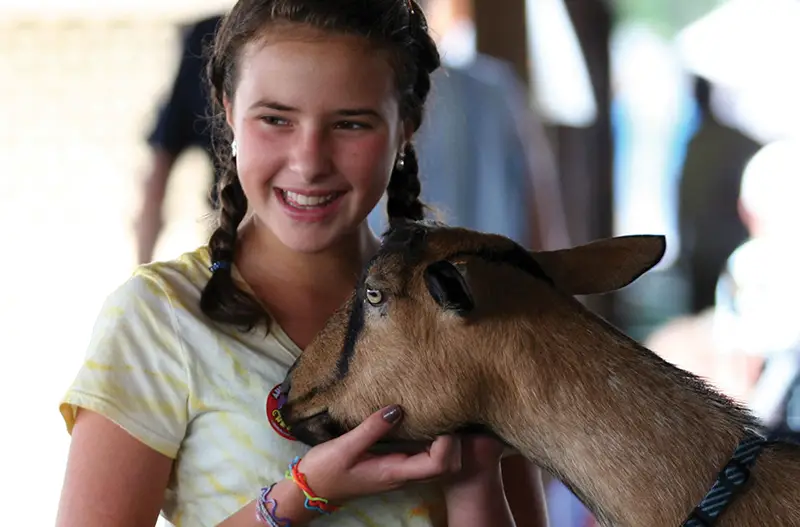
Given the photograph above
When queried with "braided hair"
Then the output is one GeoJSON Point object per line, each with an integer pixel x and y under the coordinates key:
{"type": "Point", "coordinates": [397, 26]}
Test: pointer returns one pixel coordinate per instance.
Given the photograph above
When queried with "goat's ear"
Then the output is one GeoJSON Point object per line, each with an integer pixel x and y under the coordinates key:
{"type": "Point", "coordinates": [449, 289]}
{"type": "Point", "coordinates": [602, 266]}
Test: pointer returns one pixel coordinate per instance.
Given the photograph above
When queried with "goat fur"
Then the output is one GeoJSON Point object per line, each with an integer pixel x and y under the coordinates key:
{"type": "Point", "coordinates": [637, 439]}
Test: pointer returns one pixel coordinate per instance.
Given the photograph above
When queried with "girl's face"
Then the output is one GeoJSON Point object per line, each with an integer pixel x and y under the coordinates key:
{"type": "Point", "coordinates": [316, 119]}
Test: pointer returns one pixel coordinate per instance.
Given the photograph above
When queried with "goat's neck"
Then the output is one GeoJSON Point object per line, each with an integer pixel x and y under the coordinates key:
{"type": "Point", "coordinates": [637, 439]}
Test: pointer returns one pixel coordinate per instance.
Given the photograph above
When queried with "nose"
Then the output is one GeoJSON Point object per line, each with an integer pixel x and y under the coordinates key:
{"type": "Point", "coordinates": [310, 155]}
{"type": "Point", "coordinates": [285, 387]}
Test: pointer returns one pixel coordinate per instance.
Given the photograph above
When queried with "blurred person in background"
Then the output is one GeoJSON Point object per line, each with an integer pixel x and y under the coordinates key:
{"type": "Point", "coordinates": [483, 151]}
{"type": "Point", "coordinates": [182, 122]}
{"type": "Point", "coordinates": [748, 343]}
{"type": "Point", "coordinates": [757, 317]}
{"type": "Point", "coordinates": [708, 219]}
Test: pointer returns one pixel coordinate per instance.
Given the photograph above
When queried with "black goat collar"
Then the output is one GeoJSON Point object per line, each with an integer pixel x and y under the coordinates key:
{"type": "Point", "coordinates": [730, 481]}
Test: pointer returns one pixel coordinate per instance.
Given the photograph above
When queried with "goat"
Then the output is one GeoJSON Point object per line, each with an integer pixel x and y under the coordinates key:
{"type": "Point", "coordinates": [468, 330]}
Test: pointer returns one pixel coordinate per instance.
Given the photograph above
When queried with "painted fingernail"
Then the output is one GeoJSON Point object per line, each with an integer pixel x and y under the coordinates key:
{"type": "Point", "coordinates": [392, 413]}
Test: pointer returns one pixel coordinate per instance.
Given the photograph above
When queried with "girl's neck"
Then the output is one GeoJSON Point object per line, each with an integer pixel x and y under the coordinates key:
{"type": "Point", "coordinates": [263, 260]}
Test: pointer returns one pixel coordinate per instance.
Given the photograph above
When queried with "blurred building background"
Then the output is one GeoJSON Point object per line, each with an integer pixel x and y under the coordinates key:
{"type": "Point", "coordinates": [618, 86]}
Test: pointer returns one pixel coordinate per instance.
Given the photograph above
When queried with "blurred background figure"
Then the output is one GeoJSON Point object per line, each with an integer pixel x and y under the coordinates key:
{"type": "Point", "coordinates": [748, 342]}
{"type": "Point", "coordinates": [757, 317]}
{"type": "Point", "coordinates": [709, 223]}
{"type": "Point", "coordinates": [484, 158]}
{"type": "Point", "coordinates": [182, 122]}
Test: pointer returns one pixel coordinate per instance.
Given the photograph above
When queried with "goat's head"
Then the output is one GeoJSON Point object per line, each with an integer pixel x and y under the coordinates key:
{"type": "Point", "coordinates": [431, 324]}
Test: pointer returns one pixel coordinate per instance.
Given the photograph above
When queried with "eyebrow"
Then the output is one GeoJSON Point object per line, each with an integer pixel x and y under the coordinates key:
{"type": "Point", "coordinates": [272, 105]}
{"type": "Point", "coordinates": [357, 112]}
{"type": "Point", "coordinates": [346, 112]}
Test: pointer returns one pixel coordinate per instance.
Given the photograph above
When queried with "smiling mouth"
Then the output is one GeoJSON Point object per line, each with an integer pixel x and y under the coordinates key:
{"type": "Point", "coordinates": [307, 202]}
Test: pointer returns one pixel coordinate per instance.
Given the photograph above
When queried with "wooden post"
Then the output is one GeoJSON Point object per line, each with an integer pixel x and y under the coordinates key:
{"type": "Point", "coordinates": [501, 32]}
{"type": "Point", "coordinates": [585, 155]}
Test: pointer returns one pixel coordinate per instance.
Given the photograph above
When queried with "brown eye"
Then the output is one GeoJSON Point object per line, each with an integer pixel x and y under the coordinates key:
{"type": "Point", "coordinates": [374, 297]}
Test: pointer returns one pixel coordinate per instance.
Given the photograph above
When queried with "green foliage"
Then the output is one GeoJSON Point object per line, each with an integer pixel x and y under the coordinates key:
{"type": "Point", "coordinates": [665, 16]}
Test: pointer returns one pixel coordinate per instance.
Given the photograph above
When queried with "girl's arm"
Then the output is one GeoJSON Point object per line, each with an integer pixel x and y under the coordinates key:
{"type": "Point", "coordinates": [114, 479]}
{"type": "Point", "coordinates": [290, 500]}
{"type": "Point", "coordinates": [479, 502]}
{"type": "Point", "coordinates": [111, 477]}
{"type": "Point", "coordinates": [491, 491]}
{"type": "Point", "coordinates": [522, 481]}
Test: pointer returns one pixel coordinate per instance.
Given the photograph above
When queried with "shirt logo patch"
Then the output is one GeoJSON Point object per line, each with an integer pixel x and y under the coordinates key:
{"type": "Point", "coordinates": [274, 402]}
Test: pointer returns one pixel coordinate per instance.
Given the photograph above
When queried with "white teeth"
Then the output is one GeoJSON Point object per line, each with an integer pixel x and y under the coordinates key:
{"type": "Point", "coordinates": [301, 200]}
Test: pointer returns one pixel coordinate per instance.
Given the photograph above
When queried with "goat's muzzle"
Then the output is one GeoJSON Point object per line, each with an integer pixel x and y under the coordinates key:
{"type": "Point", "coordinates": [311, 430]}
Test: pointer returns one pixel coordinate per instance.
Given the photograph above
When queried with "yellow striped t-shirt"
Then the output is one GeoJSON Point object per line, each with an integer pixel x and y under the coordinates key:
{"type": "Point", "coordinates": [198, 392]}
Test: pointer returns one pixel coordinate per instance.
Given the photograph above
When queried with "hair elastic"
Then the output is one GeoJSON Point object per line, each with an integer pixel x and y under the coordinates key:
{"type": "Point", "coordinates": [266, 515]}
{"type": "Point", "coordinates": [313, 502]}
{"type": "Point", "coordinates": [222, 264]}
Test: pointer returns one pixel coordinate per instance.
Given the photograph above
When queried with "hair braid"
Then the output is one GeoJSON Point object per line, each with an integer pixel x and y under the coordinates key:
{"type": "Point", "coordinates": [233, 205]}
{"type": "Point", "coordinates": [404, 186]}
{"type": "Point", "coordinates": [222, 300]}
{"type": "Point", "coordinates": [404, 189]}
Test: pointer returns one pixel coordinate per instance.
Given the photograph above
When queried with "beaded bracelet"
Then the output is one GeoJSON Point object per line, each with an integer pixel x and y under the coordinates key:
{"type": "Point", "coordinates": [263, 512]}
{"type": "Point", "coordinates": [313, 502]}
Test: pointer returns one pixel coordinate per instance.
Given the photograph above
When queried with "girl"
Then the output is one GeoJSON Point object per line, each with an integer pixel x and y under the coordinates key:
{"type": "Point", "coordinates": [318, 101]}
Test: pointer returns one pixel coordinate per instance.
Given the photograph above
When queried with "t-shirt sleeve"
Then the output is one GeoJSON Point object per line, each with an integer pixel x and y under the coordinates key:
{"type": "Point", "coordinates": [134, 372]}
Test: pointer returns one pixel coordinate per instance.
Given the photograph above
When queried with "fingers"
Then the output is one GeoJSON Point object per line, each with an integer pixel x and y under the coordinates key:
{"type": "Point", "coordinates": [371, 430]}
{"type": "Point", "coordinates": [447, 450]}
{"type": "Point", "coordinates": [443, 458]}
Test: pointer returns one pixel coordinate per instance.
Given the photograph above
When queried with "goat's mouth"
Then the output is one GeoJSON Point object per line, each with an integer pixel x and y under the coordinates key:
{"type": "Point", "coordinates": [321, 427]}
{"type": "Point", "coordinates": [313, 429]}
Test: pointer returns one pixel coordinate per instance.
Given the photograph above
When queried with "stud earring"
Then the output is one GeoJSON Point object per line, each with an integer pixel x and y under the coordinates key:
{"type": "Point", "coordinates": [234, 148]}
{"type": "Point", "coordinates": [400, 164]}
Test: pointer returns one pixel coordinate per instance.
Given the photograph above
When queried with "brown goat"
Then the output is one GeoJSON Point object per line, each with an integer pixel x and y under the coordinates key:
{"type": "Point", "coordinates": [465, 329]}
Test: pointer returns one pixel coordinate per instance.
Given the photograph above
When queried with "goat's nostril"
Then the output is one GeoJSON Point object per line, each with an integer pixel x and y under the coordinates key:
{"type": "Point", "coordinates": [284, 392]}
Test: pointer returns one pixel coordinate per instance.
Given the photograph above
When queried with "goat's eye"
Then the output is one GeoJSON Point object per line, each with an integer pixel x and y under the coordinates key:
{"type": "Point", "coordinates": [374, 297]}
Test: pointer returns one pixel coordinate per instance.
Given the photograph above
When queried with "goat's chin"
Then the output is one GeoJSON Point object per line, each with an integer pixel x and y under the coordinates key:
{"type": "Point", "coordinates": [390, 446]}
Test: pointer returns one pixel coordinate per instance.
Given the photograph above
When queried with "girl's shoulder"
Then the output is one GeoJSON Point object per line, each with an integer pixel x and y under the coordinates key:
{"type": "Point", "coordinates": [189, 268]}
{"type": "Point", "coordinates": [178, 281]}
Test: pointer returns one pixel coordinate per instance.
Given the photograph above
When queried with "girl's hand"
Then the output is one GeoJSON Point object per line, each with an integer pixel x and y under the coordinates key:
{"type": "Point", "coordinates": [476, 496]}
{"type": "Point", "coordinates": [480, 460]}
{"type": "Point", "coordinates": [342, 469]}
